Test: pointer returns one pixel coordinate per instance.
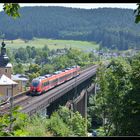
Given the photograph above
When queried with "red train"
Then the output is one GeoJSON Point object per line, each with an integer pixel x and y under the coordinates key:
{"type": "Point", "coordinates": [42, 84]}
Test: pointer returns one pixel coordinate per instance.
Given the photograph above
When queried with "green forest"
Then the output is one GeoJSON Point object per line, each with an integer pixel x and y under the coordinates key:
{"type": "Point", "coordinates": [115, 109]}
{"type": "Point", "coordinates": [113, 28]}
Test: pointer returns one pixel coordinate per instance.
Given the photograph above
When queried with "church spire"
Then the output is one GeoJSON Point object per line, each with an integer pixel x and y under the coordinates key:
{"type": "Point", "coordinates": [4, 60]}
{"type": "Point", "coordinates": [5, 66]}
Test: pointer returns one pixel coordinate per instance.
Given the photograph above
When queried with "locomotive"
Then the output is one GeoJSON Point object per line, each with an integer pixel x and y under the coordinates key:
{"type": "Point", "coordinates": [44, 83]}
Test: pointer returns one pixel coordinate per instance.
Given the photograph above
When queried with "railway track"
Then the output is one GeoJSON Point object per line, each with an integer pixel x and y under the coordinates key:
{"type": "Point", "coordinates": [25, 101]}
{"type": "Point", "coordinates": [56, 92]}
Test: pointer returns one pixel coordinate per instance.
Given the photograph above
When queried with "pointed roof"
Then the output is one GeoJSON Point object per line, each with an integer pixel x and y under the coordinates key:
{"type": "Point", "coordinates": [4, 59]}
{"type": "Point", "coordinates": [4, 80]}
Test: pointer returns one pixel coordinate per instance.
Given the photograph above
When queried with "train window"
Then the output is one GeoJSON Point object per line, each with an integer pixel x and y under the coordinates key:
{"type": "Point", "coordinates": [69, 75]}
{"type": "Point", "coordinates": [46, 83]}
{"type": "Point", "coordinates": [53, 81]}
{"type": "Point", "coordinates": [75, 73]}
{"type": "Point", "coordinates": [62, 77]}
{"type": "Point", "coordinates": [35, 83]}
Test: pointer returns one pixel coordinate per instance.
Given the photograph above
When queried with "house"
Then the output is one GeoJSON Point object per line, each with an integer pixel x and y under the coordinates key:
{"type": "Point", "coordinates": [22, 81]}
{"type": "Point", "coordinates": [8, 87]}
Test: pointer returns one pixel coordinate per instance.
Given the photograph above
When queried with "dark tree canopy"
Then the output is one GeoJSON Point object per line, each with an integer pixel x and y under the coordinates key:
{"type": "Point", "coordinates": [137, 12]}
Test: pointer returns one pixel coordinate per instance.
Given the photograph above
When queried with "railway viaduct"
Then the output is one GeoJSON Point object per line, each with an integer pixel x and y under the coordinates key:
{"type": "Point", "coordinates": [73, 94]}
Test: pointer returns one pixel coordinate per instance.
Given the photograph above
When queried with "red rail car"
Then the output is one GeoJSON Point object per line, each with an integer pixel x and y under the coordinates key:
{"type": "Point", "coordinates": [44, 83]}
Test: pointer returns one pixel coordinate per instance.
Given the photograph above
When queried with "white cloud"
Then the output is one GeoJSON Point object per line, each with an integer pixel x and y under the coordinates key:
{"type": "Point", "coordinates": [85, 5]}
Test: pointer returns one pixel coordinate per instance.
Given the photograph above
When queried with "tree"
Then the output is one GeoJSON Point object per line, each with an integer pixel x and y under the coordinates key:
{"type": "Point", "coordinates": [64, 122]}
{"type": "Point", "coordinates": [111, 100]}
{"type": "Point", "coordinates": [137, 12]}
{"type": "Point", "coordinates": [60, 62]}
{"type": "Point", "coordinates": [22, 54]}
{"type": "Point", "coordinates": [132, 109]}
{"type": "Point", "coordinates": [37, 126]}
{"type": "Point", "coordinates": [74, 120]}
{"type": "Point", "coordinates": [11, 9]}
{"type": "Point", "coordinates": [34, 68]}
{"type": "Point", "coordinates": [34, 71]}
{"type": "Point", "coordinates": [57, 125]}
{"type": "Point", "coordinates": [18, 68]}
{"type": "Point", "coordinates": [47, 69]}
{"type": "Point", "coordinates": [18, 121]}
{"type": "Point", "coordinates": [33, 75]}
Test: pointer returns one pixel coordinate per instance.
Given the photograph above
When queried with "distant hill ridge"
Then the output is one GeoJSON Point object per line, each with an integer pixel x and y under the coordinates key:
{"type": "Point", "coordinates": [111, 27]}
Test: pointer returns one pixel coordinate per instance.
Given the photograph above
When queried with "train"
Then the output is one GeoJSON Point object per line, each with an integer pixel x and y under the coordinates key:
{"type": "Point", "coordinates": [44, 83]}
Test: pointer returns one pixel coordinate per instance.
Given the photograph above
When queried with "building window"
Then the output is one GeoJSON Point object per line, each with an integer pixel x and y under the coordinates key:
{"type": "Point", "coordinates": [8, 92]}
{"type": "Point", "coordinates": [5, 70]}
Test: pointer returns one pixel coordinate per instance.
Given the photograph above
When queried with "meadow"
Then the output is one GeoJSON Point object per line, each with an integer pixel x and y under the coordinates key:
{"type": "Point", "coordinates": [52, 44]}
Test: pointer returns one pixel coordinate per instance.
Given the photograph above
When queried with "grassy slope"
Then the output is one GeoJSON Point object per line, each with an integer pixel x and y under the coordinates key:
{"type": "Point", "coordinates": [52, 44]}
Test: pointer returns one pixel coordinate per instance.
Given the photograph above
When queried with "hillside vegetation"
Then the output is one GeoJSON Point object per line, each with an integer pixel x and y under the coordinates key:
{"type": "Point", "coordinates": [111, 27]}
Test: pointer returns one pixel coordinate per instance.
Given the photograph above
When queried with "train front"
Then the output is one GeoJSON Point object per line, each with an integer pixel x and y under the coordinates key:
{"type": "Point", "coordinates": [35, 87]}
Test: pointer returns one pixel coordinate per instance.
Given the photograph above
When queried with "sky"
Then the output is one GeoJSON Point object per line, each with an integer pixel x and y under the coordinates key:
{"type": "Point", "coordinates": [82, 5]}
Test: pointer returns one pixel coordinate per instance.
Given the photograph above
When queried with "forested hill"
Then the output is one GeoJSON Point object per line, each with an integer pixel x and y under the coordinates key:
{"type": "Point", "coordinates": [111, 27]}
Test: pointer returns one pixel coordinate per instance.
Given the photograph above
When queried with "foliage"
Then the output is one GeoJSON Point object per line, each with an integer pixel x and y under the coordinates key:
{"type": "Point", "coordinates": [18, 68]}
{"type": "Point", "coordinates": [22, 54]}
{"type": "Point", "coordinates": [33, 68]}
{"type": "Point", "coordinates": [11, 9]}
{"type": "Point", "coordinates": [62, 122]}
{"type": "Point", "coordinates": [36, 62]}
{"type": "Point", "coordinates": [33, 75]}
{"type": "Point", "coordinates": [100, 131]}
{"type": "Point", "coordinates": [137, 12]}
{"type": "Point", "coordinates": [57, 126]}
{"type": "Point", "coordinates": [18, 121]}
{"type": "Point", "coordinates": [132, 108]}
{"type": "Point", "coordinates": [74, 120]}
{"type": "Point", "coordinates": [95, 120]}
{"type": "Point", "coordinates": [36, 126]}
{"type": "Point", "coordinates": [76, 24]}
{"type": "Point", "coordinates": [60, 62]}
{"type": "Point", "coordinates": [47, 69]}
{"type": "Point", "coordinates": [116, 104]}
{"type": "Point", "coordinates": [72, 123]}
{"type": "Point", "coordinates": [78, 124]}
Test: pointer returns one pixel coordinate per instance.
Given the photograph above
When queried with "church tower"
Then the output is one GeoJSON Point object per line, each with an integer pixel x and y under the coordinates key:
{"type": "Point", "coordinates": [5, 65]}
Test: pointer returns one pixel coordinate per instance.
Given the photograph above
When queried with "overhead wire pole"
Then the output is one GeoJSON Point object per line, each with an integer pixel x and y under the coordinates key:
{"type": "Point", "coordinates": [75, 92]}
{"type": "Point", "coordinates": [86, 111]}
{"type": "Point", "coordinates": [11, 107]}
{"type": "Point", "coordinates": [76, 82]}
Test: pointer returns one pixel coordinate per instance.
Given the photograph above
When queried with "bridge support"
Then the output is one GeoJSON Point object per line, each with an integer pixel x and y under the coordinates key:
{"type": "Point", "coordinates": [80, 103]}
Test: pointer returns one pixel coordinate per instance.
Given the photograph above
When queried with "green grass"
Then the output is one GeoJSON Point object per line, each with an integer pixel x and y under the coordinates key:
{"type": "Point", "coordinates": [52, 44]}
